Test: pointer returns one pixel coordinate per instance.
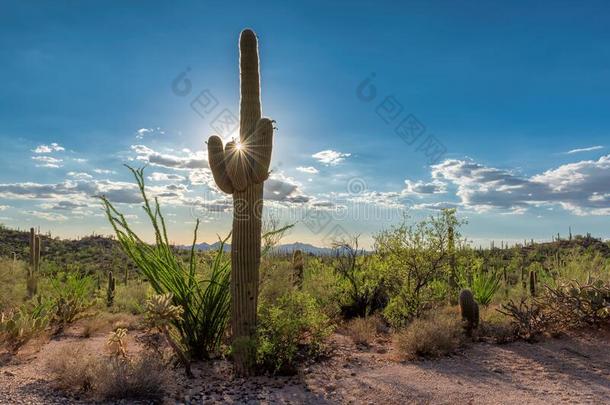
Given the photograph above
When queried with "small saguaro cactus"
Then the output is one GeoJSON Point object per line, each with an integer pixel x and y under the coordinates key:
{"type": "Point", "coordinates": [110, 290]}
{"type": "Point", "coordinates": [240, 168]}
{"type": "Point", "coordinates": [469, 310]}
{"type": "Point", "coordinates": [298, 264]}
{"type": "Point", "coordinates": [533, 282]}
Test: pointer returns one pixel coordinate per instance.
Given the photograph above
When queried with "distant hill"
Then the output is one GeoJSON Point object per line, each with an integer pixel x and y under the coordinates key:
{"type": "Point", "coordinates": [280, 249]}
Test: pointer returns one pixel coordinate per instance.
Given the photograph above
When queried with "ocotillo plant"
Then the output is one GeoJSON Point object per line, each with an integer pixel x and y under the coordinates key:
{"type": "Point", "coordinates": [240, 168]}
{"type": "Point", "coordinates": [297, 266]}
{"type": "Point", "coordinates": [110, 290]}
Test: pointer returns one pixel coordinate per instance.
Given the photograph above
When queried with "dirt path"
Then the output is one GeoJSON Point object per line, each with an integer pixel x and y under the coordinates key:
{"type": "Point", "coordinates": [573, 369]}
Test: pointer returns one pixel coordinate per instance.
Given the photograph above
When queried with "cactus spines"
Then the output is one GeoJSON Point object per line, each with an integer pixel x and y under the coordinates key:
{"type": "Point", "coordinates": [297, 266]}
{"type": "Point", "coordinates": [240, 169]}
{"type": "Point", "coordinates": [469, 310]}
{"type": "Point", "coordinates": [110, 290]}
{"type": "Point", "coordinates": [533, 282]}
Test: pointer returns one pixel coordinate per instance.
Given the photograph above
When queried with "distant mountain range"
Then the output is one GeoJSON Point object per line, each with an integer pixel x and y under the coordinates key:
{"type": "Point", "coordinates": [282, 249]}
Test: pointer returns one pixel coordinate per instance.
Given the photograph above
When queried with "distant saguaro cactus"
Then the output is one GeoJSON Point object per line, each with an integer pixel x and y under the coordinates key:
{"type": "Point", "coordinates": [240, 168]}
{"type": "Point", "coordinates": [298, 264]}
{"type": "Point", "coordinates": [533, 282]}
{"type": "Point", "coordinates": [110, 290]}
{"type": "Point", "coordinates": [32, 275]}
{"type": "Point", "coordinates": [469, 310]}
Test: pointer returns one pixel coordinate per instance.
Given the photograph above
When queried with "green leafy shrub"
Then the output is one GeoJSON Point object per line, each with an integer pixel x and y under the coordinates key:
{"type": "Point", "coordinates": [205, 301]}
{"type": "Point", "coordinates": [362, 279]}
{"type": "Point", "coordinates": [25, 323]}
{"type": "Point", "coordinates": [291, 323]}
{"type": "Point", "coordinates": [71, 294]}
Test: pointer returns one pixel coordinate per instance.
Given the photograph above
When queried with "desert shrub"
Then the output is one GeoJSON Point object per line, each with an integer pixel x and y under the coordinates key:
{"type": "Point", "coordinates": [575, 304]}
{"type": "Point", "coordinates": [529, 318]}
{"type": "Point", "coordinates": [418, 263]}
{"type": "Point", "coordinates": [205, 301]}
{"type": "Point", "coordinates": [71, 294]}
{"type": "Point", "coordinates": [76, 369]}
{"type": "Point", "coordinates": [290, 326]}
{"type": "Point", "coordinates": [433, 336]}
{"type": "Point", "coordinates": [275, 278]}
{"type": "Point", "coordinates": [12, 280]}
{"type": "Point", "coordinates": [496, 327]}
{"type": "Point", "coordinates": [19, 326]}
{"type": "Point", "coordinates": [131, 298]}
{"type": "Point", "coordinates": [361, 279]}
{"type": "Point", "coordinates": [362, 331]}
{"type": "Point", "coordinates": [322, 283]}
{"type": "Point", "coordinates": [73, 368]}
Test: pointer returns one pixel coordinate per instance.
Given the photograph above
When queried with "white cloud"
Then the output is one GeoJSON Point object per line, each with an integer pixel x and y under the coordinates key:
{"type": "Point", "coordinates": [143, 132]}
{"type": "Point", "coordinates": [330, 157]}
{"type": "Point", "coordinates": [49, 216]}
{"type": "Point", "coordinates": [48, 161]}
{"type": "Point", "coordinates": [582, 188]}
{"type": "Point", "coordinates": [104, 171]}
{"type": "Point", "coordinates": [54, 147]}
{"type": "Point", "coordinates": [80, 176]}
{"type": "Point", "coordinates": [79, 160]}
{"type": "Point", "coordinates": [589, 149]}
{"type": "Point", "coordinates": [196, 160]}
{"type": "Point", "coordinates": [4, 207]}
{"type": "Point", "coordinates": [157, 176]}
{"type": "Point", "coordinates": [283, 189]}
{"type": "Point", "coordinates": [308, 170]}
{"type": "Point", "coordinates": [420, 187]}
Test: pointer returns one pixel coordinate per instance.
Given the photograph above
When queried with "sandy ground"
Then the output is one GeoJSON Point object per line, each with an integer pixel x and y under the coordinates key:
{"type": "Point", "coordinates": [571, 369]}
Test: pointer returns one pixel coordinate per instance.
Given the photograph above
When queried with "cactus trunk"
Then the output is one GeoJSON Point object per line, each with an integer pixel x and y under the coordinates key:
{"type": "Point", "coordinates": [240, 168]}
{"type": "Point", "coordinates": [110, 290]}
{"type": "Point", "coordinates": [32, 276]}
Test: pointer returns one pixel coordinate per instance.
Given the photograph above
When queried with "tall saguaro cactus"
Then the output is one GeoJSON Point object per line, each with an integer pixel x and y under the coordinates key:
{"type": "Point", "coordinates": [240, 168]}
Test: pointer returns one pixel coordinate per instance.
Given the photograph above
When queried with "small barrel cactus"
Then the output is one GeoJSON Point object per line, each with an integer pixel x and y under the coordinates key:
{"type": "Point", "coordinates": [469, 310]}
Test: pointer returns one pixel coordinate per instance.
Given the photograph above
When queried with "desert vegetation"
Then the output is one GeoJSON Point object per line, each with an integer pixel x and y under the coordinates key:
{"type": "Point", "coordinates": [130, 316]}
{"type": "Point", "coordinates": [422, 289]}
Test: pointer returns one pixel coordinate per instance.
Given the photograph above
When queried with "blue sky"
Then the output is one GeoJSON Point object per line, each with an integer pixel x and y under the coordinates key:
{"type": "Point", "coordinates": [504, 90]}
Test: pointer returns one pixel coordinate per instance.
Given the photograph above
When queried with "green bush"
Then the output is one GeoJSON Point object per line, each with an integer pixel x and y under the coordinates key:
{"type": "Point", "coordinates": [292, 323]}
{"type": "Point", "coordinates": [131, 298]}
{"type": "Point", "coordinates": [71, 295]}
{"type": "Point", "coordinates": [25, 323]}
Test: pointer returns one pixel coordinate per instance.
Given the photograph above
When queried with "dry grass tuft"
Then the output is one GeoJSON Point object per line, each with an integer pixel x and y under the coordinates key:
{"type": "Point", "coordinates": [75, 369]}
{"type": "Point", "coordinates": [362, 330]}
{"type": "Point", "coordinates": [435, 336]}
